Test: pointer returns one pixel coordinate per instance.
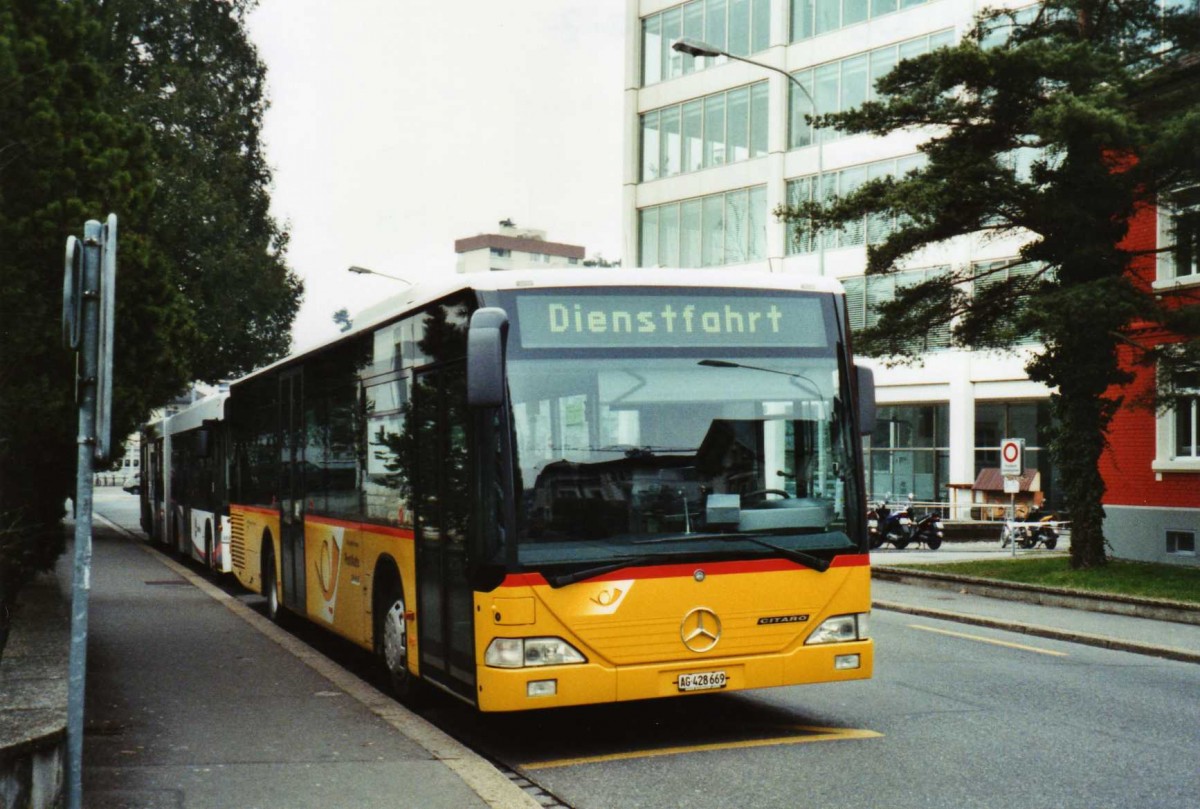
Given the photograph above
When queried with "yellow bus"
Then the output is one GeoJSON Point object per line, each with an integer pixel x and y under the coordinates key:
{"type": "Point", "coordinates": [537, 489]}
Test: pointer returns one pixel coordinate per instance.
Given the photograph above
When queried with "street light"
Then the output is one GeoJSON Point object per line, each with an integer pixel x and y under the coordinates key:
{"type": "Point", "coordinates": [694, 47]}
{"type": "Point", "coordinates": [365, 271]}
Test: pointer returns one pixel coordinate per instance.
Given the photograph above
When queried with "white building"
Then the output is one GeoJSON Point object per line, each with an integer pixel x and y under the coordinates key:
{"type": "Point", "coordinates": [714, 146]}
{"type": "Point", "coordinates": [514, 248]}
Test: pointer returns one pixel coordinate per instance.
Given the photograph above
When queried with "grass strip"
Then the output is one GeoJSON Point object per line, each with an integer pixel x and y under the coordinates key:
{"type": "Point", "coordinates": [1145, 579]}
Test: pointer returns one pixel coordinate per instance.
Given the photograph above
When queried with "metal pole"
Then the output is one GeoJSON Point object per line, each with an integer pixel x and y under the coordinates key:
{"type": "Point", "coordinates": [81, 583]}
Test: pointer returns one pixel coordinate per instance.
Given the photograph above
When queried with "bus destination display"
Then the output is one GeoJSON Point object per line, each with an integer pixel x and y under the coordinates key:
{"type": "Point", "coordinates": [669, 321]}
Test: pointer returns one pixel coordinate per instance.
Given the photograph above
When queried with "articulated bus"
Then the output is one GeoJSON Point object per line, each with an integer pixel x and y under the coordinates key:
{"type": "Point", "coordinates": [184, 494]}
{"type": "Point", "coordinates": [536, 489]}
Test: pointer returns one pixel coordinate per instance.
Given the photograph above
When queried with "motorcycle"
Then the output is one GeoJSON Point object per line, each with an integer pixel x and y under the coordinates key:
{"type": "Point", "coordinates": [885, 524]}
{"type": "Point", "coordinates": [1038, 528]}
{"type": "Point", "coordinates": [929, 530]}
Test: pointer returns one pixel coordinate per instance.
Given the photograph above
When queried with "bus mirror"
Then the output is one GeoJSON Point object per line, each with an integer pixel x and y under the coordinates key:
{"type": "Point", "coordinates": [485, 357]}
{"type": "Point", "coordinates": [866, 399]}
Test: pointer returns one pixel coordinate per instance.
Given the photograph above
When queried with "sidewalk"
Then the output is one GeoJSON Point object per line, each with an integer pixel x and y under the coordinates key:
{"type": "Point", "coordinates": [195, 700]}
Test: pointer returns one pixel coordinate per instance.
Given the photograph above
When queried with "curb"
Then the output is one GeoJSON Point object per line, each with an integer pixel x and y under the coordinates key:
{"type": "Point", "coordinates": [1134, 606]}
{"type": "Point", "coordinates": [492, 786]}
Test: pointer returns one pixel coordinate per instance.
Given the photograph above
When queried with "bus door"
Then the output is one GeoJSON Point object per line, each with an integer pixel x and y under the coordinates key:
{"type": "Point", "coordinates": [291, 490]}
{"type": "Point", "coordinates": [445, 600]}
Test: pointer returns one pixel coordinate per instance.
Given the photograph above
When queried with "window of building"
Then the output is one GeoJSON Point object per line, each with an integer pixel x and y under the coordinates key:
{"type": "Point", "coordinates": [1179, 231]}
{"type": "Point", "coordinates": [990, 273]}
{"type": "Point", "coordinates": [1178, 431]}
{"type": "Point", "coordinates": [1000, 28]}
{"type": "Point", "coordinates": [1182, 543]}
{"type": "Point", "coordinates": [870, 229]}
{"type": "Point", "coordinates": [909, 452]}
{"type": "Point", "coordinates": [740, 27]}
{"type": "Point", "coordinates": [996, 421]}
{"type": "Point", "coordinates": [725, 127]}
{"type": "Point", "coordinates": [501, 252]}
{"type": "Point", "coordinates": [813, 17]}
{"type": "Point", "coordinates": [709, 231]}
{"type": "Point", "coordinates": [847, 83]}
{"type": "Point", "coordinates": [865, 293]}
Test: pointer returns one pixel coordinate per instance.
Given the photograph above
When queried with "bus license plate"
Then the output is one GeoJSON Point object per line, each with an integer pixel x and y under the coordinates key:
{"type": "Point", "coordinates": [701, 681]}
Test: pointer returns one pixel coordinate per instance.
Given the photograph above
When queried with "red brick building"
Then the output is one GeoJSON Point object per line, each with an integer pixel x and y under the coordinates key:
{"type": "Point", "coordinates": [1151, 468]}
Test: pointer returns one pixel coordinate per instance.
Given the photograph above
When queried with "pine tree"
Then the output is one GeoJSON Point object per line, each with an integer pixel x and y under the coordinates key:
{"type": "Point", "coordinates": [1051, 124]}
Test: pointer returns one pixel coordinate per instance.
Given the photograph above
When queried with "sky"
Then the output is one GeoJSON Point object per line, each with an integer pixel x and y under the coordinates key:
{"type": "Point", "coordinates": [398, 126]}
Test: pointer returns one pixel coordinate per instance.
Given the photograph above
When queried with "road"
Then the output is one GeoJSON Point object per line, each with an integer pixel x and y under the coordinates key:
{"type": "Point", "coordinates": [956, 716]}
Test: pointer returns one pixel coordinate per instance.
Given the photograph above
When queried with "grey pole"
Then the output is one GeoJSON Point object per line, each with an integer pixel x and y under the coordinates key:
{"type": "Point", "coordinates": [89, 323]}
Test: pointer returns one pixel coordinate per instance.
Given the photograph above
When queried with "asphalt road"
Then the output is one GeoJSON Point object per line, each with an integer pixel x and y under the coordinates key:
{"type": "Point", "coordinates": [956, 716]}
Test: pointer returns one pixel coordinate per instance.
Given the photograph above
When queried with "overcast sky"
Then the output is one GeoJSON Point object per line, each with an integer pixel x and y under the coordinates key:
{"type": "Point", "coordinates": [398, 126]}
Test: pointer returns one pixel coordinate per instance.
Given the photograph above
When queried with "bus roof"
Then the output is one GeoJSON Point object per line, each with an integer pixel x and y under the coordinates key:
{"type": "Point", "coordinates": [206, 409]}
{"type": "Point", "coordinates": [418, 295]}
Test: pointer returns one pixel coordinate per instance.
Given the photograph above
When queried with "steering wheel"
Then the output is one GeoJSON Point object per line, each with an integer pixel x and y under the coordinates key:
{"type": "Point", "coordinates": [765, 492]}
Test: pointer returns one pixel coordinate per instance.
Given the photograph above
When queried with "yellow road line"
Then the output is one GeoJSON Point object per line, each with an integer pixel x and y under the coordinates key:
{"type": "Point", "coordinates": [992, 641]}
{"type": "Point", "coordinates": [813, 734]}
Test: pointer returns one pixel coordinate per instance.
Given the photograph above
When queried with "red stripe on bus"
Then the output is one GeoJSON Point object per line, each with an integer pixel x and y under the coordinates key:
{"type": "Point", "coordinates": [688, 568]}
{"type": "Point", "coordinates": [270, 512]}
{"type": "Point", "coordinates": [386, 530]}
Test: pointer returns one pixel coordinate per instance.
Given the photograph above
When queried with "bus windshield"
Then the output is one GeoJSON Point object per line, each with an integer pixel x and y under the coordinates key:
{"type": "Point", "coordinates": [675, 443]}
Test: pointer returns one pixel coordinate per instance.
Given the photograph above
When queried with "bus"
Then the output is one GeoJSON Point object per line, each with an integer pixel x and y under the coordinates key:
{"type": "Point", "coordinates": [184, 493]}
{"type": "Point", "coordinates": [541, 489]}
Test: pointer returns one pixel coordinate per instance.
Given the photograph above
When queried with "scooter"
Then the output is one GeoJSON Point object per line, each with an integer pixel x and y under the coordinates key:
{"type": "Point", "coordinates": [885, 524]}
{"type": "Point", "coordinates": [1038, 529]}
{"type": "Point", "coordinates": [929, 530]}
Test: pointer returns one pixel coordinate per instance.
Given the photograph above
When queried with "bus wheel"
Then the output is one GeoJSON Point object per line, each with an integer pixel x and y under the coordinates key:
{"type": "Point", "coordinates": [393, 643]}
{"type": "Point", "coordinates": [271, 585]}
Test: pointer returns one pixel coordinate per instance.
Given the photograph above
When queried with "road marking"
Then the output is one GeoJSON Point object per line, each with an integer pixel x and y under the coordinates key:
{"type": "Point", "coordinates": [811, 734]}
{"type": "Point", "coordinates": [992, 641]}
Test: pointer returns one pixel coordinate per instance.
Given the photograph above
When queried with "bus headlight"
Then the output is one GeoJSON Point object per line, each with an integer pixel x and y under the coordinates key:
{"type": "Point", "coordinates": [840, 629]}
{"type": "Point", "coordinates": [515, 653]}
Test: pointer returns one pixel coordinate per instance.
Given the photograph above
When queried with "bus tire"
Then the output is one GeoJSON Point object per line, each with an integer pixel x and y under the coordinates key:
{"type": "Point", "coordinates": [391, 639]}
{"type": "Point", "coordinates": [270, 583]}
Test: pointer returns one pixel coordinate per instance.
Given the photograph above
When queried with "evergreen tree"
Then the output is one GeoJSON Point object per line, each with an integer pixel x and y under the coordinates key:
{"type": "Point", "coordinates": [191, 74]}
{"type": "Point", "coordinates": [1050, 124]}
{"type": "Point", "coordinates": [150, 109]}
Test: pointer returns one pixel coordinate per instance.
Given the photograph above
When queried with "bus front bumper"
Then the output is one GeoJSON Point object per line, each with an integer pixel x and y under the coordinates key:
{"type": "Point", "coordinates": [591, 683]}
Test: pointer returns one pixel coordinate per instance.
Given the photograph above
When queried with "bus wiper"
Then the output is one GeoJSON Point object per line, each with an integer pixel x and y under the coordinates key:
{"type": "Point", "coordinates": [807, 559]}
{"type": "Point", "coordinates": [563, 579]}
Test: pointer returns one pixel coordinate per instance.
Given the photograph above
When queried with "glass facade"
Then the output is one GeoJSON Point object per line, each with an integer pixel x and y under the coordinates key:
{"type": "Point", "coordinates": [995, 421]}
{"type": "Point", "coordinates": [726, 127]}
{"type": "Point", "coordinates": [814, 17]}
{"type": "Point", "coordinates": [847, 83]}
{"type": "Point", "coordinates": [988, 274]}
{"type": "Point", "coordinates": [871, 229]}
{"type": "Point", "coordinates": [739, 27]}
{"type": "Point", "coordinates": [865, 293]}
{"type": "Point", "coordinates": [729, 228]}
{"type": "Point", "coordinates": [909, 452]}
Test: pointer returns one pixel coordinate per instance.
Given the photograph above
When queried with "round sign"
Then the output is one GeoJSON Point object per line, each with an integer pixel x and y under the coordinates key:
{"type": "Point", "coordinates": [1010, 451]}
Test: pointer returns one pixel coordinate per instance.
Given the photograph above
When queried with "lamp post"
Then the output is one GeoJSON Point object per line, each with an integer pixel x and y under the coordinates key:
{"type": "Point", "coordinates": [366, 271]}
{"type": "Point", "coordinates": [694, 47]}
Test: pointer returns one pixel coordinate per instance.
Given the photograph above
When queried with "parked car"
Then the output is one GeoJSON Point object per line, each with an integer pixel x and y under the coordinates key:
{"type": "Point", "coordinates": [134, 484]}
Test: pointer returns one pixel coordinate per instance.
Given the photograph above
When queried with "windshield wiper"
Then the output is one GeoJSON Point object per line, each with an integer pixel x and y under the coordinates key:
{"type": "Point", "coordinates": [563, 579]}
{"type": "Point", "coordinates": [807, 559]}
